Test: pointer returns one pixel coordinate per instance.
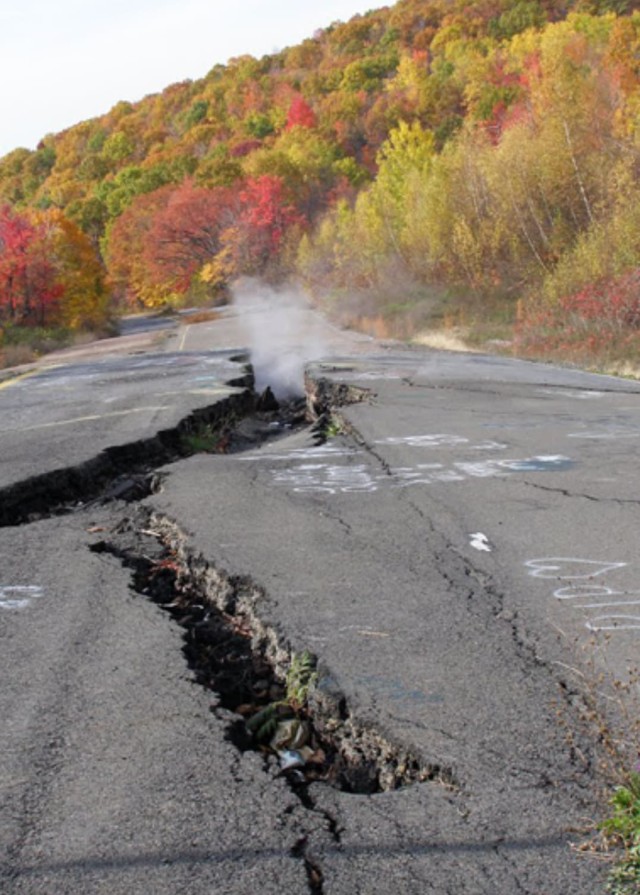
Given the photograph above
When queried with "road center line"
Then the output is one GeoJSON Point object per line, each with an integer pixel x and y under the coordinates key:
{"type": "Point", "coordinates": [184, 338]}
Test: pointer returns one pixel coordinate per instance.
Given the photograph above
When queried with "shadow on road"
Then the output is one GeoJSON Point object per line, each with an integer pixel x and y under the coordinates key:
{"type": "Point", "coordinates": [201, 857]}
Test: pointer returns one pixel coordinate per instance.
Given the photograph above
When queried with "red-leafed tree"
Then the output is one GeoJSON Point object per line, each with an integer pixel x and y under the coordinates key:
{"type": "Point", "coordinates": [300, 114]}
{"type": "Point", "coordinates": [267, 213]}
{"type": "Point", "coordinates": [186, 233]}
{"type": "Point", "coordinates": [158, 246]}
{"type": "Point", "coordinates": [29, 289]}
{"type": "Point", "coordinates": [16, 236]}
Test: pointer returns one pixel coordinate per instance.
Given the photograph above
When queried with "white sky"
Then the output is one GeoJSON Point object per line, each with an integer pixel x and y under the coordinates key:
{"type": "Point", "coordinates": [63, 61]}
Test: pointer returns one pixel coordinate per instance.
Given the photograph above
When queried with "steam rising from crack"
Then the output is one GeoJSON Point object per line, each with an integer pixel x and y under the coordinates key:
{"type": "Point", "coordinates": [280, 334]}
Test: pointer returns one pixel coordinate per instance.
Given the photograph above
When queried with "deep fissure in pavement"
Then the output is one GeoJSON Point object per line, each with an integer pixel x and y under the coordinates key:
{"type": "Point", "coordinates": [127, 472]}
{"type": "Point", "coordinates": [315, 877]}
{"type": "Point", "coordinates": [246, 662]}
{"type": "Point", "coordinates": [122, 472]}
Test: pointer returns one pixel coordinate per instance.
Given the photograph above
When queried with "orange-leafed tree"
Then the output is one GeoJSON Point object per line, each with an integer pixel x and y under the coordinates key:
{"type": "Point", "coordinates": [82, 300]}
{"type": "Point", "coordinates": [50, 273]}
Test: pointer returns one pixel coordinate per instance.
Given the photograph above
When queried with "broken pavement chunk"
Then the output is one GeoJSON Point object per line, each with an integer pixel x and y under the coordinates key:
{"type": "Point", "coordinates": [267, 401]}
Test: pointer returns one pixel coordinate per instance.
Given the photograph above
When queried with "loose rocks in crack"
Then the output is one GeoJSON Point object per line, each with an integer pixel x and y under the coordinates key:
{"type": "Point", "coordinates": [267, 422]}
{"type": "Point", "coordinates": [267, 401]}
{"type": "Point", "coordinates": [277, 707]}
{"type": "Point", "coordinates": [324, 395]}
{"type": "Point", "coordinates": [130, 488]}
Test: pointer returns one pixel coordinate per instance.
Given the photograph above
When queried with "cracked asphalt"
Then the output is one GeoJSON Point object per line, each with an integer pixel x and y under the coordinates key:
{"type": "Point", "coordinates": [461, 559]}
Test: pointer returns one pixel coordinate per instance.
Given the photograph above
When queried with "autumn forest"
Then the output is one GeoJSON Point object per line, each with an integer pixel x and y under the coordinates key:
{"type": "Point", "coordinates": [454, 164]}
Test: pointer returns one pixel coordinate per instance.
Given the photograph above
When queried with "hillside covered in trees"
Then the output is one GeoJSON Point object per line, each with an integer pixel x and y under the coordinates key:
{"type": "Point", "coordinates": [432, 160]}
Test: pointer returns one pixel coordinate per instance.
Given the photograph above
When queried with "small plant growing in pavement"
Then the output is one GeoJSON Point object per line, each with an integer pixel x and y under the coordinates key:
{"type": "Point", "coordinates": [301, 677]}
{"type": "Point", "coordinates": [264, 723]}
{"type": "Point", "coordinates": [205, 439]}
{"type": "Point", "coordinates": [334, 426]}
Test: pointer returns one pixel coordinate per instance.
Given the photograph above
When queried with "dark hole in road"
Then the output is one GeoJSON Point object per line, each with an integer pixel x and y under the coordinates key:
{"type": "Point", "coordinates": [233, 654]}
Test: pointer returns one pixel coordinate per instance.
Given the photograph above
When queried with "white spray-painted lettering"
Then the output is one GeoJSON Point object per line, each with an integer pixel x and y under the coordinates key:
{"type": "Point", "coordinates": [567, 568]}
{"type": "Point", "coordinates": [438, 440]}
{"type": "Point", "coordinates": [304, 453]}
{"type": "Point", "coordinates": [489, 446]}
{"type": "Point", "coordinates": [19, 596]}
{"type": "Point", "coordinates": [587, 595]}
{"type": "Point", "coordinates": [599, 593]}
{"type": "Point", "coordinates": [480, 541]}
{"type": "Point", "coordinates": [614, 623]}
{"type": "Point", "coordinates": [580, 394]}
{"type": "Point", "coordinates": [318, 477]}
{"type": "Point", "coordinates": [330, 478]}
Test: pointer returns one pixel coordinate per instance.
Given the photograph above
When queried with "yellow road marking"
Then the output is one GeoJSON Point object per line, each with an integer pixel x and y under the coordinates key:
{"type": "Point", "coordinates": [29, 373]}
{"type": "Point", "coordinates": [19, 378]}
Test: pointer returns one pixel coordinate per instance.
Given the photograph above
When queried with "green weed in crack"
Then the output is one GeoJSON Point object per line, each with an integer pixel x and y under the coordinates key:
{"type": "Point", "coordinates": [283, 727]}
{"type": "Point", "coordinates": [205, 439]}
{"type": "Point", "coordinates": [301, 677]}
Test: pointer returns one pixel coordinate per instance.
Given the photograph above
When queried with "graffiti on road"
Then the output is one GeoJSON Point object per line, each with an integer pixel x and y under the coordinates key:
{"type": "Point", "coordinates": [588, 594]}
{"type": "Point", "coordinates": [315, 470]}
{"type": "Point", "coordinates": [18, 596]}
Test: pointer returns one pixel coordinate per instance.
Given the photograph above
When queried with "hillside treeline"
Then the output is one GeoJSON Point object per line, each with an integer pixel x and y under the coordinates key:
{"type": "Point", "coordinates": [426, 157]}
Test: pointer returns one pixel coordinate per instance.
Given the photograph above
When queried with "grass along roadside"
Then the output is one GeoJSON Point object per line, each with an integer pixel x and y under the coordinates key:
{"type": "Point", "coordinates": [621, 830]}
{"type": "Point", "coordinates": [21, 345]}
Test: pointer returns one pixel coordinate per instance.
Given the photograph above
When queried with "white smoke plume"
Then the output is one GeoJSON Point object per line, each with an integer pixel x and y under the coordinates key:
{"type": "Point", "coordinates": [282, 335]}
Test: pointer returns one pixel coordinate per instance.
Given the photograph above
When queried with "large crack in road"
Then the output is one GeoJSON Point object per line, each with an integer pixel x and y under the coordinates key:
{"type": "Point", "coordinates": [231, 644]}
{"type": "Point", "coordinates": [244, 661]}
{"type": "Point", "coordinates": [229, 647]}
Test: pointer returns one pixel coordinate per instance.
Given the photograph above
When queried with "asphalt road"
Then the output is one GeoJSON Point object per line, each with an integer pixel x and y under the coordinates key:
{"type": "Point", "coordinates": [460, 559]}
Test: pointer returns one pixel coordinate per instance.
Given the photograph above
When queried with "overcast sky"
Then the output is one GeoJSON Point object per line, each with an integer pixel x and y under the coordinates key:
{"type": "Point", "coordinates": [63, 61]}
